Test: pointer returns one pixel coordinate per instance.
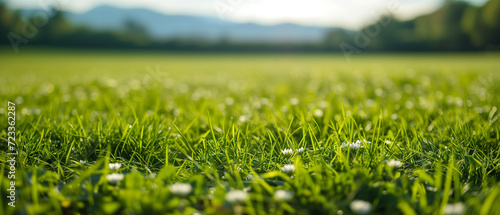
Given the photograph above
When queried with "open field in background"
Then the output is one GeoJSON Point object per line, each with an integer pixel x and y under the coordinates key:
{"type": "Point", "coordinates": [220, 122]}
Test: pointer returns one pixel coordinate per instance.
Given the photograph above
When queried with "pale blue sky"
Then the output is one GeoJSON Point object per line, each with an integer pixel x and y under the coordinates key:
{"type": "Point", "coordinates": [335, 13]}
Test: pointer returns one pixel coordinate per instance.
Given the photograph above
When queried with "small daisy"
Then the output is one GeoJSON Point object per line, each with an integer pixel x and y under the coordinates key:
{"type": "Point", "coordinates": [115, 166]}
{"type": "Point", "coordinates": [114, 177]}
{"type": "Point", "coordinates": [454, 209]}
{"type": "Point", "coordinates": [361, 207]}
{"type": "Point", "coordinates": [287, 152]}
{"type": "Point", "coordinates": [180, 189]}
{"type": "Point", "coordinates": [283, 195]}
{"type": "Point", "coordinates": [288, 168]}
{"type": "Point", "coordinates": [394, 163]}
{"type": "Point", "coordinates": [299, 150]}
{"type": "Point", "coordinates": [236, 196]}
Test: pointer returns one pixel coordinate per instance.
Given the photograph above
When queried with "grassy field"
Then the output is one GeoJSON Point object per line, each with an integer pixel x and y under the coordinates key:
{"type": "Point", "coordinates": [250, 134]}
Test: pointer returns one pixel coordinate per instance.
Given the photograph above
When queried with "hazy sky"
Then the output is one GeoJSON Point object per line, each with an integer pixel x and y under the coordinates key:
{"type": "Point", "coordinates": [337, 13]}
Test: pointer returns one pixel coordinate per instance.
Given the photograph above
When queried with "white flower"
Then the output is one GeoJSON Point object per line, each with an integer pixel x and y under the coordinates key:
{"type": "Point", "coordinates": [242, 118]}
{"type": "Point", "coordinates": [427, 163]}
{"type": "Point", "coordinates": [180, 189]}
{"type": "Point", "coordinates": [83, 162]}
{"type": "Point", "coordinates": [283, 195]}
{"type": "Point", "coordinates": [288, 168]}
{"type": "Point", "coordinates": [431, 188]}
{"type": "Point", "coordinates": [299, 150]}
{"type": "Point", "coordinates": [355, 145]}
{"type": "Point", "coordinates": [428, 142]}
{"type": "Point", "coordinates": [454, 209]}
{"type": "Point", "coordinates": [229, 101]}
{"type": "Point", "coordinates": [114, 177]}
{"type": "Point", "coordinates": [294, 101]}
{"type": "Point", "coordinates": [361, 207]}
{"type": "Point", "coordinates": [236, 196]}
{"type": "Point", "coordinates": [318, 113]}
{"type": "Point", "coordinates": [152, 176]}
{"type": "Point", "coordinates": [287, 152]}
{"type": "Point", "coordinates": [394, 163]}
{"type": "Point", "coordinates": [115, 166]}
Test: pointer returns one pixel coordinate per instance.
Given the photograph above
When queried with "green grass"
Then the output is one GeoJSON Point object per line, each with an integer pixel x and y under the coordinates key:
{"type": "Point", "coordinates": [219, 122]}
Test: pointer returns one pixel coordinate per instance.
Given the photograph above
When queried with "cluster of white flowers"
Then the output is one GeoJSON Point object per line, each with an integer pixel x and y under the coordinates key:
{"type": "Point", "coordinates": [236, 196]}
{"type": "Point", "coordinates": [361, 207]}
{"type": "Point", "coordinates": [287, 152]}
{"type": "Point", "coordinates": [299, 150]}
{"type": "Point", "coordinates": [115, 166]}
{"type": "Point", "coordinates": [114, 177]}
{"type": "Point", "coordinates": [355, 145]}
{"type": "Point", "coordinates": [454, 209]}
{"type": "Point", "coordinates": [288, 168]}
{"type": "Point", "coordinates": [180, 189]}
{"type": "Point", "coordinates": [394, 163]}
{"type": "Point", "coordinates": [283, 195]}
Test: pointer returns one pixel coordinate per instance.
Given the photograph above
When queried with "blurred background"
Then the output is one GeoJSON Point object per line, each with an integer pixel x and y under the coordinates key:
{"type": "Point", "coordinates": [253, 25]}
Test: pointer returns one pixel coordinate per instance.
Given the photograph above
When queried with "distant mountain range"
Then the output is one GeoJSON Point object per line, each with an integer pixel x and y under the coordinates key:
{"type": "Point", "coordinates": [162, 26]}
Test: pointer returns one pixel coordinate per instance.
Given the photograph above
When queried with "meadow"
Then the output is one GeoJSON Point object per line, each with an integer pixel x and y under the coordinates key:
{"type": "Point", "coordinates": [169, 133]}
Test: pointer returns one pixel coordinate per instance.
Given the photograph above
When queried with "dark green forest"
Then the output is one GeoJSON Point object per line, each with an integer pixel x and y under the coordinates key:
{"type": "Point", "coordinates": [456, 26]}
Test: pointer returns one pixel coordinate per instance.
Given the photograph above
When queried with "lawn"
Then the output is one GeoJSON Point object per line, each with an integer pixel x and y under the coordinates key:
{"type": "Point", "coordinates": [165, 133]}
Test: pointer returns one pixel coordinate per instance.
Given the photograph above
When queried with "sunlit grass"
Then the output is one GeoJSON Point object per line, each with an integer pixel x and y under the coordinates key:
{"type": "Point", "coordinates": [389, 134]}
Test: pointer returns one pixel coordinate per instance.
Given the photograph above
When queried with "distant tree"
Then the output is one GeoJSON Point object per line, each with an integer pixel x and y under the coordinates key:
{"type": "Point", "coordinates": [135, 32]}
{"type": "Point", "coordinates": [9, 22]}
{"type": "Point", "coordinates": [4, 23]}
{"type": "Point", "coordinates": [438, 31]}
{"type": "Point", "coordinates": [483, 25]}
{"type": "Point", "coordinates": [442, 29]}
{"type": "Point", "coordinates": [334, 38]}
{"type": "Point", "coordinates": [57, 26]}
